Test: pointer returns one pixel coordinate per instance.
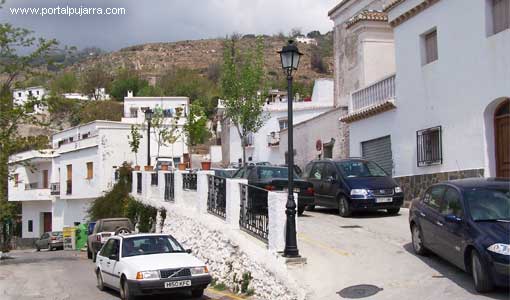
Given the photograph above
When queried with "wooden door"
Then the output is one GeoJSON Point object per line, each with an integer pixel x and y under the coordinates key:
{"type": "Point", "coordinates": [502, 139]}
{"type": "Point", "coordinates": [47, 221]}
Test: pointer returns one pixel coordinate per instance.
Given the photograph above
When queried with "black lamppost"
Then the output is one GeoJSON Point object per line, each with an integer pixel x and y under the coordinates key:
{"type": "Point", "coordinates": [290, 56]}
{"type": "Point", "coordinates": [148, 117]}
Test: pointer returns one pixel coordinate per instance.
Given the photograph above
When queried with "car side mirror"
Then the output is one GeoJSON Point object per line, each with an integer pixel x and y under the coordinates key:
{"type": "Point", "coordinates": [188, 251]}
{"type": "Point", "coordinates": [452, 219]}
{"type": "Point", "coordinates": [113, 257]}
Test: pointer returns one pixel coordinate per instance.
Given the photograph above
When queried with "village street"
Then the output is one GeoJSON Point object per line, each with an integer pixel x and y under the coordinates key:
{"type": "Point", "coordinates": [60, 275]}
{"type": "Point", "coordinates": [375, 249]}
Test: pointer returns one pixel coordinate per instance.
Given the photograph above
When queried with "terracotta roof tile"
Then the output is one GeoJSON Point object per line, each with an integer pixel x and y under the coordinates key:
{"type": "Point", "coordinates": [368, 15]}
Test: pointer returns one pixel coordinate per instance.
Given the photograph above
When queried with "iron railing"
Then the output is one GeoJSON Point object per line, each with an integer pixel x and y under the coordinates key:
{"type": "Point", "coordinates": [139, 182]}
{"type": "Point", "coordinates": [253, 217]}
{"type": "Point", "coordinates": [189, 181]}
{"type": "Point", "coordinates": [217, 196]}
{"type": "Point", "coordinates": [429, 145]}
{"type": "Point", "coordinates": [154, 179]}
{"type": "Point", "coordinates": [373, 94]}
{"type": "Point", "coordinates": [69, 187]}
{"type": "Point", "coordinates": [55, 188]}
{"type": "Point", "coordinates": [169, 186]}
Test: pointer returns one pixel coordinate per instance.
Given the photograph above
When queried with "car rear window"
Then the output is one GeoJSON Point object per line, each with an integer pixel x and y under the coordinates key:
{"type": "Point", "coordinates": [274, 172]}
{"type": "Point", "coordinates": [114, 225]}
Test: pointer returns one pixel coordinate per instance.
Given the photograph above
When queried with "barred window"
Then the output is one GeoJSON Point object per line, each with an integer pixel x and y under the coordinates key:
{"type": "Point", "coordinates": [429, 144]}
{"type": "Point", "coordinates": [154, 178]}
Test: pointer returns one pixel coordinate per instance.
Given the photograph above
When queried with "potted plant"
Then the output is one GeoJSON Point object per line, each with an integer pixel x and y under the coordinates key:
{"type": "Point", "coordinates": [182, 166]}
{"type": "Point", "coordinates": [148, 168]}
{"type": "Point", "coordinates": [164, 167]}
{"type": "Point", "coordinates": [134, 143]}
{"type": "Point", "coordinates": [206, 164]}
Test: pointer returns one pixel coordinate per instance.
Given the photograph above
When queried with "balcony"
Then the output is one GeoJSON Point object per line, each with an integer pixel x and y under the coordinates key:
{"type": "Point", "coordinates": [273, 139]}
{"type": "Point", "coordinates": [373, 99]}
{"type": "Point", "coordinates": [32, 191]}
{"type": "Point", "coordinates": [55, 188]}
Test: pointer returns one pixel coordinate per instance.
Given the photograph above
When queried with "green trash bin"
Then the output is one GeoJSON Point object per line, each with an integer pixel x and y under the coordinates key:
{"type": "Point", "coordinates": [81, 236]}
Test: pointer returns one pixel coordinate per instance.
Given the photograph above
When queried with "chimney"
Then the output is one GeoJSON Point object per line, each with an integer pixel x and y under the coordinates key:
{"type": "Point", "coordinates": [129, 94]}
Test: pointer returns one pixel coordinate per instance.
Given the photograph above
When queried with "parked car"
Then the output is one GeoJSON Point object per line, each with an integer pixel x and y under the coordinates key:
{"type": "Point", "coordinates": [353, 185]}
{"type": "Point", "coordinates": [103, 229]}
{"type": "Point", "coordinates": [145, 264]}
{"type": "Point", "coordinates": [297, 169]}
{"type": "Point", "coordinates": [275, 178]}
{"type": "Point", "coordinates": [467, 222]}
{"type": "Point", "coordinates": [50, 240]}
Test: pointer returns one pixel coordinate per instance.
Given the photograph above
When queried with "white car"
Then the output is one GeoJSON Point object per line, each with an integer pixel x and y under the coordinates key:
{"type": "Point", "coordinates": [147, 264]}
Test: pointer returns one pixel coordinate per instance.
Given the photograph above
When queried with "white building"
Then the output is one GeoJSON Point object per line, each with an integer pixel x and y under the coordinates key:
{"type": "Point", "coordinates": [57, 186]}
{"type": "Point", "coordinates": [100, 92]}
{"type": "Point", "coordinates": [264, 145]}
{"type": "Point", "coordinates": [21, 96]}
{"type": "Point", "coordinates": [448, 116]}
{"type": "Point", "coordinates": [306, 40]}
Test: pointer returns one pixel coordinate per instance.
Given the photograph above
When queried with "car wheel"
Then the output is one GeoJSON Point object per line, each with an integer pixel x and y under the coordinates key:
{"type": "Point", "coordinates": [300, 210]}
{"type": "Point", "coordinates": [125, 294]}
{"type": "Point", "coordinates": [343, 207]}
{"type": "Point", "coordinates": [310, 207]}
{"type": "Point", "coordinates": [481, 277]}
{"type": "Point", "coordinates": [393, 211]}
{"type": "Point", "coordinates": [197, 293]}
{"type": "Point", "coordinates": [100, 283]}
{"type": "Point", "coordinates": [417, 239]}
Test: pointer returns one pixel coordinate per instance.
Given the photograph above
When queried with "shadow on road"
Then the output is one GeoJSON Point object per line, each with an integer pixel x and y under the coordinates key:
{"type": "Point", "coordinates": [459, 277]}
{"type": "Point", "coordinates": [355, 215]}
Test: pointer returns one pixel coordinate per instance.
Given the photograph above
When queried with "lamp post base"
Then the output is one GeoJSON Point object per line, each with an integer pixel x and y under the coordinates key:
{"type": "Point", "coordinates": [293, 261]}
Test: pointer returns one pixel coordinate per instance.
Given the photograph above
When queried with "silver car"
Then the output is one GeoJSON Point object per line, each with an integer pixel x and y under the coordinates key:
{"type": "Point", "coordinates": [50, 240]}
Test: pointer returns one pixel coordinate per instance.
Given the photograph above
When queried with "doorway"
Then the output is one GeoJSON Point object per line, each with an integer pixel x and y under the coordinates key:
{"type": "Point", "coordinates": [47, 221]}
{"type": "Point", "coordinates": [502, 139]}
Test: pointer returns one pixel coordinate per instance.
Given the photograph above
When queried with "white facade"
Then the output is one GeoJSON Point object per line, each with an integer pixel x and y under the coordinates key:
{"type": "Point", "coordinates": [459, 91]}
{"type": "Point", "coordinates": [265, 144]}
{"type": "Point", "coordinates": [21, 96]}
{"type": "Point", "coordinates": [306, 40]}
{"type": "Point", "coordinates": [100, 92]}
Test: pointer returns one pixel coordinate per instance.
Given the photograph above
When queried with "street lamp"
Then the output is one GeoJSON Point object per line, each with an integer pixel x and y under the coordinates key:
{"type": "Point", "coordinates": [148, 117]}
{"type": "Point", "coordinates": [290, 56]}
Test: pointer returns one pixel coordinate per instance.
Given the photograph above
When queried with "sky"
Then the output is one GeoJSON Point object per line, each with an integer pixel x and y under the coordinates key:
{"type": "Point", "coordinates": [165, 20]}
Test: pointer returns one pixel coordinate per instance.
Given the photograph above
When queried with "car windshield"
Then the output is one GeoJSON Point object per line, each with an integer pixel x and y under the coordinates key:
{"type": "Point", "coordinates": [274, 172]}
{"type": "Point", "coordinates": [110, 226]}
{"type": "Point", "coordinates": [359, 168]}
{"type": "Point", "coordinates": [146, 245]}
{"type": "Point", "coordinates": [487, 204]}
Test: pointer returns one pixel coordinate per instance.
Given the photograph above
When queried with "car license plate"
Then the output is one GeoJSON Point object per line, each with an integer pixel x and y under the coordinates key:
{"type": "Point", "coordinates": [177, 284]}
{"type": "Point", "coordinates": [383, 200]}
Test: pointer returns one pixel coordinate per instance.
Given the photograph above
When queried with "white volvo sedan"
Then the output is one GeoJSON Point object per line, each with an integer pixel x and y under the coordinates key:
{"type": "Point", "coordinates": [148, 264]}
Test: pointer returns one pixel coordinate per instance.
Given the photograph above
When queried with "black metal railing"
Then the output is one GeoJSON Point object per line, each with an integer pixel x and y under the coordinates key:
{"type": "Point", "coordinates": [169, 186]}
{"type": "Point", "coordinates": [217, 196]}
{"type": "Point", "coordinates": [253, 217]}
{"type": "Point", "coordinates": [154, 179]}
{"type": "Point", "coordinates": [55, 188]}
{"type": "Point", "coordinates": [69, 187]}
{"type": "Point", "coordinates": [189, 181]}
{"type": "Point", "coordinates": [429, 145]}
{"type": "Point", "coordinates": [139, 183]}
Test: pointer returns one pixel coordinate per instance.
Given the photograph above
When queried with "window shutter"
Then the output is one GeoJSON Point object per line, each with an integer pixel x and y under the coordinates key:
{"type": "Point", "coordinates": [90, 170]}
{"type": "Point", "coordinates": [431, 46]}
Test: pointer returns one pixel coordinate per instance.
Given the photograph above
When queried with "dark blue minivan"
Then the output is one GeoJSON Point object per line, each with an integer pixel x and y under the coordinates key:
{"type": "Point", "coordinates": [352, 185]}
{"type": "Point", "coordinates": [467, 222]}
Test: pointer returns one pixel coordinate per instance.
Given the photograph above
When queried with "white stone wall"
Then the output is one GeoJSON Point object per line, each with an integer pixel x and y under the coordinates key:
{"type": "Point", "coordinates": [32, 210]}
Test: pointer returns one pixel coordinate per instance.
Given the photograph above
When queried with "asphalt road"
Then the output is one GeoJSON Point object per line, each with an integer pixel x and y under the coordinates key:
{"type": "Point", "coordinates": [60, 275]}
{"type": "Point", "coordinates": [375, 249]}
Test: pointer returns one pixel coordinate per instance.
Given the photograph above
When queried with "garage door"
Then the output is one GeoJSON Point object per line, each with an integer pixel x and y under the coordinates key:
{"type": "Point", "coordinates": [379, 151]}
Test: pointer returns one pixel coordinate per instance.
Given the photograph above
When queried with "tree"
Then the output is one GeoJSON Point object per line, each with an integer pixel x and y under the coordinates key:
{"type": "Point", "coordinates": [104, 110]}
{"type": "Point", "coordinates": [134, 141]}
{"type": "Point", "coordinates": [243, 78]}
{"type": "Point", "coordinates": [95, 78]}
{"type": "Point", "coordinates": [172, 134]}
{"type": "Point", "coordinates": [313, 34]}
{"type": "Point", "coordinates": [295, 32]}
{"type": "Point", "coordinates": [19, 52]}
{"type": "Point", "coordinates": [164, 132]}
{"type": "Point", "coordinates": [195, 128]}
{"type": "Point", "coordinates": [64, 83]}
{"type": "Point", "coordinates": [126, 80]}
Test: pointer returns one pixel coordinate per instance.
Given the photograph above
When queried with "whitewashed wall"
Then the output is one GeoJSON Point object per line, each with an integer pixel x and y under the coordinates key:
{"type": "Point", "coordinates": [32, 210]}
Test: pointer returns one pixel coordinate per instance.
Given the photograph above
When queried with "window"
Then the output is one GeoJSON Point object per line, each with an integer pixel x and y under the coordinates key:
{"type": "Point", "coordinates": [16, 180]}
{"type": "Point", "coordinates": [45, 179]}
{"type": "Point", "coordinates": [133, 112]}
{"type": "Point", "coordinates": [90, 170]}
{"type": "Point", "coordinates": [19, 94]}
{"type": "Point", "coordinates": [154, 179]}
{"type": "Point", "coordinates": [316, 172]}
{"type": "Point", "coordinates": [108, 248]}
{"type": "Point", "coordinates": [283, 124]}
{"type": "Point", "coordinates": [37, 93]}
{"type": "Point", "coordinates": [30, 226]}
{"type": "Point", "coordinates": [452, 204]}
{"type": "Point", "coordinates": [429, 147]}
{"type": "Point", "coordinates": [433, 197]}
{"type": "Point", "coordinates": [429, 41]}
{"type": "Point", "coordinates": [500, 15]}
{"type": "Point", "coordinates": [330, 171]}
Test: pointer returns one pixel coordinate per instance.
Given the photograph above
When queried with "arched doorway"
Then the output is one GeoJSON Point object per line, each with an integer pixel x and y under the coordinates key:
{"type": "Point", "coordinates": [502, 139]}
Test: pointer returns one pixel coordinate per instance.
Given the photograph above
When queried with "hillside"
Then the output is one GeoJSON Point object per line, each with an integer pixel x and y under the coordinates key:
{"type": "Point", "coordinates": [156, 58]}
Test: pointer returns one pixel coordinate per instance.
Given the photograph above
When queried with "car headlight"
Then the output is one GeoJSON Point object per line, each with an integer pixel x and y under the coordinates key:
{"type": "Point", "coordinates": [199, 270]}
{"type": "Point", "coordinates": [359, 192]}
{"type": "Point", "coordinates": [147, 275]}
{"type": "Point", "coordinates": [503, 249]}
{"type": "Point", "coordinates": [398, 190]}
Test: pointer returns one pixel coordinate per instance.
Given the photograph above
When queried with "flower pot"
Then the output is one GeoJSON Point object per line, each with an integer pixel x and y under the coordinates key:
{"type": "Point", "coordinates": [148, 168]}
{"type": "Point", "coordinates": [206, 165]}
{"type": "Point", "coordinates": [182, 166]}
{"type": "Point", "coordinates": [137, 168]}
{"type": "Point", "coordinates": [164, 167]}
